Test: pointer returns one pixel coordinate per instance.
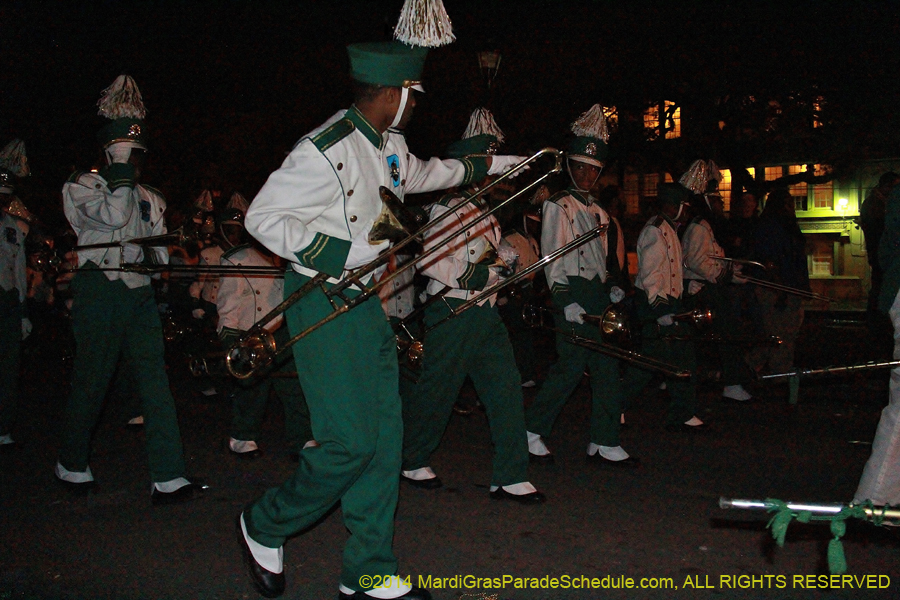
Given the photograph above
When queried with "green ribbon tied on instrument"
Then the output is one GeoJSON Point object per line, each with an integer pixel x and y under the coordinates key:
{"type": "Point", "coordinates": [837, 562]}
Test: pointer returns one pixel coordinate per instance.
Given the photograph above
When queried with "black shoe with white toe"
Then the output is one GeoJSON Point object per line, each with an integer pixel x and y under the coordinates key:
{"type": "Point", "coordinates": [413, 594]}
{"type": "Point", "coordinates": [267, 583]}
{"type": "Point", "coordinates": [531, 498]}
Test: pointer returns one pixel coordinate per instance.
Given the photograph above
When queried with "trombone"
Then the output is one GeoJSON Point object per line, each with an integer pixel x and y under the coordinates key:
{"type": "Point", "coordinates": [612, 325]}
{"type": "Point", "coordinates": [770, 284]}
{"type": "Point", "coordinates": [415, 348]}
{"type": "Point", "coordinates": [256, 348]}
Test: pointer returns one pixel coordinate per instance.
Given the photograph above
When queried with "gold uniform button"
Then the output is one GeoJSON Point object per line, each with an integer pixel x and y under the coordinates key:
{"type": "Point", "coordinates": [353, 218]}
{"type": "Point", "coordinates": [471, 252]}
{"type": "Point", "coordinates": [259, 309]}
{"type": "Point", "coordinates": [403, 182]}
{"type": "Point", "coordinates": [350, 193]}
{"type": "Point", "coordinates": [340, 166]}
{"type": "Point", "coordinates": [257, 292]}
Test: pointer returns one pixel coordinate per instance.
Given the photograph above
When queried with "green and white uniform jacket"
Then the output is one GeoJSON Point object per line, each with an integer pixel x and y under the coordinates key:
{"type": "Point", "coordinates": [325, 195]}
{"type": "Point", "coordinates": [659, 262]}
{"type": "Point", "coordinates": [566, 216]}
{"type": "Point", "coordinates": [12, 256]}
{"type": "Point", "coordinates": [698, 245]}
{"type": "Point", "coordinates": [243, 300]}
{"type": "Point", "coordinates": [456, 265]}
{"type": "Point", "coordinates": [104, 210]}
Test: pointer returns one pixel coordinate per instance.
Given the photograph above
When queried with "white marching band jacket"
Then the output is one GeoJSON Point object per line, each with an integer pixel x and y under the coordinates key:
{"type": "Point", "coordinates": [243, 300]}
{"type": "Point", "coordinates": [207, 285]}
{"type": "Point", "coordinates": [659, 261]}
{"type": "Point", "coordinates": [325, 195]}
{"type": "Point", "coordinates": [456, 264]}
{"type": "Point", "coordinates": [697, 245]}
{"type": "Point", "coordinates": [566, 216]}
{"type": "Point", "coordinates": [100, 215]}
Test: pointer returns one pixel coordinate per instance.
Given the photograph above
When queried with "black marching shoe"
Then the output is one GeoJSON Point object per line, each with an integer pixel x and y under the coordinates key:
{"type": "Point", "coordinates": [532, 498]}
{"type": "Point", "coordinates": [186, 493]}
{"type": "Point", "coordinates": [413, 594]}
{"type": "Point", "coordinates": [541, 459]}
{"type": "Point", "coordinates": [267, 583]}
{"type": "Point", "coordinates": [685, 428]}
{"type": "Point", "coordinates": [628, 463]}
{"type": "Point", "coordinates": [424, 484]}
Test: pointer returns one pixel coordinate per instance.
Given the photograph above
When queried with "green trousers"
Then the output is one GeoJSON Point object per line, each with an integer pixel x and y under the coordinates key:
{"type": "Point", "coordinates": [10, 358]}
{"type": "Point", "coordinates": [111, 321]}
{"type": "Point", "coordinates": [566, 373]}
{"type": "Point", "coordinates": [251, 396]}
{"type": "Point", "coordinates": [725, 322]}
{"type": "Point", "coordinates": [473, 344]}
{"type": "Point", "coordinates": [678, 353]}
{"type": "Point", "coordinates": [348, 372]}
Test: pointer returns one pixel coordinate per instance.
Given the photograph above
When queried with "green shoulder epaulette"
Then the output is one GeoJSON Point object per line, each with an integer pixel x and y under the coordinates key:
{"type": "Point", "coordinates": [558, 196]}
{"type": "Point", "coordinates": [153, 190]}
{"type": "Point", "coordinates": [73, 178]}
{"type": "Point", "coordinates": [446, 199]}
{"type": "Point", "coordinates": [659, 221]}
{"type": "Point", "coordinates": [332, 135]}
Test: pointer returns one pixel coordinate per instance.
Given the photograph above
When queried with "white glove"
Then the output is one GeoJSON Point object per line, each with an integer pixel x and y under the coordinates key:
{"type": "Point", "coordinates": [616, 294]}
{"type": "Point", "coordinates": [26, 327]}
{"type": "Point", "coordinates": [574, 313]}
{"type": "Point", "coordinates": [666, 320]}
{"type": "Point", "coordinates": [694, 287]}
{"type": "Point", "coordinates": [503, 163]}
{"type": "Point", "coordinates": [361, 251]}
{"type": "Point", "coordinates": [737, 274]}
{"type": "Point", "coordinates": [508, 254]}
{"type": "Point", "coordinates": [198, 313]}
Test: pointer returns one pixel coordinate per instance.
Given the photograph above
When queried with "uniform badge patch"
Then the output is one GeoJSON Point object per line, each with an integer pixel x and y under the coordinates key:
{"type": "Point", "coordinates": [145, 211]}
{"type": "Point", "coordinates": [393, 162]}
{"type": "Point", "coordinates": [11, 236]}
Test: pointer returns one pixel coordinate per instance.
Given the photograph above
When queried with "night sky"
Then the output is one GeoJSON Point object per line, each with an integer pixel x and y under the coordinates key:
{"type": "Point", "coordinates": [231, 85]}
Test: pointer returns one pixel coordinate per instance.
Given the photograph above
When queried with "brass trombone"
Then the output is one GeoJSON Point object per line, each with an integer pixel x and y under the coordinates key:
{"type": "Point", "coordinates": [256, 348]}
{"type": "Point", "coordinates": [415, 347]}
{"type": "Point", "coordinates": [612, 320]}
{"type": "Point", "coordinates": [771, 284]}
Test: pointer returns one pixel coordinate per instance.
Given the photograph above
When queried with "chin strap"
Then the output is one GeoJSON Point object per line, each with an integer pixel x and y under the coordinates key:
{"type": "Point", "coordinates": [572, 179]}
{"type": "Point", "coordinates": [404, 97]}
{"type": "Point", "coordinates": [678, 214]}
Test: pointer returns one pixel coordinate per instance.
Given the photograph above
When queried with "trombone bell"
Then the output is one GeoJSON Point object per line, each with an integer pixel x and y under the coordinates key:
{"type": "Point", "coordinates": [250, 354]}
{"type": "Point", "coordinates": [396, 220]}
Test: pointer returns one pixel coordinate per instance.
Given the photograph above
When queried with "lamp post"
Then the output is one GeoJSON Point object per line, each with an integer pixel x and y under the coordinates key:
{"type": "Point", "coordinates": [489, 65]}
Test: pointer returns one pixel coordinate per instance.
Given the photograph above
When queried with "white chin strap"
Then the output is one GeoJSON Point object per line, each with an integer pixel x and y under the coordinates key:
{"type": "Point", "coordinates": [678, 214]}
{"type": "Point", "coordinates": [593, 183]}
{"type": "Point", "coordinates": [404, 97]}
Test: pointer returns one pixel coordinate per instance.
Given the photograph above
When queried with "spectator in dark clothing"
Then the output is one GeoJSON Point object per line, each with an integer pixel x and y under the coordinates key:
{"type": "Point", "coordinates": [779, 244]}
{"type": "Point", "coordinates": [871, 219]}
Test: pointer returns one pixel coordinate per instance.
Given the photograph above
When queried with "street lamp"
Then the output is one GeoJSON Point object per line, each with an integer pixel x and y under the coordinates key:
{"type": "Point", "coordinates": [489, 65]}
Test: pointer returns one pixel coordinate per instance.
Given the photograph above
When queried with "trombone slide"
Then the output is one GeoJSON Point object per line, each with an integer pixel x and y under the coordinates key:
{"type": "Point", "coordinates": [815, 508]}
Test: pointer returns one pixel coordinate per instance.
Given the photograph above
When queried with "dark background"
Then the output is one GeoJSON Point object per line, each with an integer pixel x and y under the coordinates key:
{"type": "Point", "coordinates": [231, 85]}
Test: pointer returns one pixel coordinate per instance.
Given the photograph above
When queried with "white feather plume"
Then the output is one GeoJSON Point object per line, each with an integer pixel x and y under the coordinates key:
{"type": "Point", "coordinates": [122, 99]}
{"type": "Point", "coordinates": [592, 124]}
{"type": "Point", "coordinates": [424, 23]}
{"type": "Point", "coordinates": [239, 202]}
{"type": "Point", "coordinates": [482, 122]}
{"type": "Point", "coordinates": [14, 160]}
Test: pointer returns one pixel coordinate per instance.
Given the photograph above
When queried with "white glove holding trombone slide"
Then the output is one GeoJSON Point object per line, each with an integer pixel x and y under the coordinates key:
{"type": "Point", "coordinates": [503, 163]}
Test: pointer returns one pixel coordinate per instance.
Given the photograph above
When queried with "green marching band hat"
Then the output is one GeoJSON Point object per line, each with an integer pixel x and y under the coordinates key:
{"type": "Point", "coordinates": [121, 102]}
{"type": "Point", "coordinates": [13, 164]}
{"type": "Point", "coordinates": [423, 24]}
{"type": "Point", "coordinates": [672, 193]}
{"type": "Point", "coordinates": [591, 136]}
{"type": "Point", "coordinates": [482, 136]}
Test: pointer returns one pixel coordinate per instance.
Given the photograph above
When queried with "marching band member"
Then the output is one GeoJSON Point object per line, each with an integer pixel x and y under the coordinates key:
{"type": "Point", "coordinates": [114, 314]}
{"type": "Point", "coordinates": [660, 287]}
{"type": "Point", "coordinates": [240, 302]}
{"type": "Point", "coordinates": [706, 277]}
{"type": "Point", "coordinates": [580, 284]}
{"type": "Point", "coordinates": [474, 344]}
{"type": "Point", "coordinates": [14, 325]}
{"type": "Point", "coordinates": [316, 211]}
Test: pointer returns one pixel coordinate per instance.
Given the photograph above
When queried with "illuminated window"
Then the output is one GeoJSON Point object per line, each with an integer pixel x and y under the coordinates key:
{"type": "Point", "coordinates": [668, 179]}
{"type": "Point", "coordinates": [612, 117]}
{"type": "Point", "coordinates": [671, 119]}
{"type": "Point", "coordinates": [817, 111]}
{"type": "Point", "coordinates": [822, 193]}
{"type": "Point", "coordinates": [725, 186]}
{"type": "Point", "coordinates": [651, 182]}
{"type": "Point", "coordinates": [773, 173]}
